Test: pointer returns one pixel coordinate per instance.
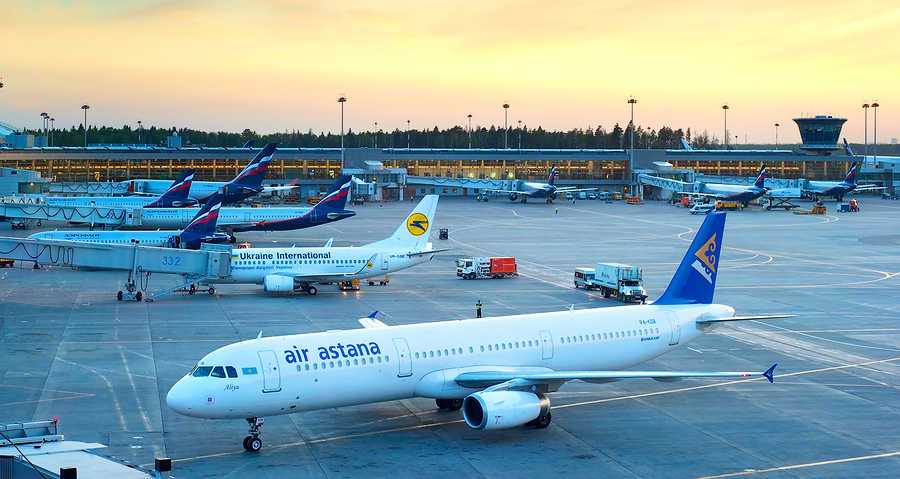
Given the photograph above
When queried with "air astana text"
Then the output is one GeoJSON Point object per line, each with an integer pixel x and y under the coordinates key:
{"type": "Point", "coordinates": [339, 350]}
{"type": "Point", "coordinates": [285, 255]}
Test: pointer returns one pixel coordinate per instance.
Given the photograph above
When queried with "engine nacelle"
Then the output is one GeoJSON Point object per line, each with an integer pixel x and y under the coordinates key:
{"type": "Point", "coordinates": [503, 409]}
{"type": "Point", "coordinates": [276, 283]}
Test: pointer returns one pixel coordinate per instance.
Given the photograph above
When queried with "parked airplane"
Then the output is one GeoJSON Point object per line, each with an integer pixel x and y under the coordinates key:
{"type": "Point", "coordinates": [202, 229]}
{"type": "Point", "coordinates": [741, 193]}
{"type": "Point", "coordinates": [246, 184]}
{"type": "Point", "coordinates": [333, 207]}
{"type": "Point", "coordinates": [497, 370]}
{"type": "Point", "coordinates": [284, 270]}
{"type": "Point", "coordinates": [529, 189]}
{"type": "Point", "coordinates": [837, 189]}
{"type": "Point", "coordinates": [176, 195]}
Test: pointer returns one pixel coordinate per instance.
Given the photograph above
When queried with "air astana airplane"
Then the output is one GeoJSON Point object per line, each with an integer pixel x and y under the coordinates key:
{"type": "Point", "coordinates": [497, 370]}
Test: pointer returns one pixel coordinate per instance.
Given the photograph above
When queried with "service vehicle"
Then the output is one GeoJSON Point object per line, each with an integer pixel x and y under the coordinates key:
{"type": "Point", "coordinates": [486, 267]}
{"type": "Point", "coordinates": [623, 281]}
{"type": "Point", "coordinates": [7, 263]}
{"type": "Point", "coordinates": [725, 205]}
{"type": "Point", "coordinates": [701, 208]}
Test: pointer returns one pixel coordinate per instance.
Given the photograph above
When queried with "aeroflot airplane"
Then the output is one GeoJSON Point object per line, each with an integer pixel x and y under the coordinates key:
{"type": "Point", "coordinates": [744, 194]}
{"type": "Point", "coordinates": [497, 370]}
{"type": "Point", "coordinates": [246, 184]}
{"type": "Point", "coordinates": [176, 195]}
{"type": "Point", "coordinates": [202, 229]}
{"type": "Point", "coordinates": [284, 270]}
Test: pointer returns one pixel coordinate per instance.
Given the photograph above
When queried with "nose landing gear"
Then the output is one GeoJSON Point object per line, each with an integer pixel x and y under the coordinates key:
{"type": "Point", "coordinates": [252, 443]}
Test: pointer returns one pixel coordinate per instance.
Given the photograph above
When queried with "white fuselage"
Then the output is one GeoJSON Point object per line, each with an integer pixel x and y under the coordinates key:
{"type": "Point", "coordinates": [286, 374]}
{"type": "Point", "coordinates": [200, 190]}
{"type": "Point", "coordinates": [104, 201]}
{"type": "Point", "coordinates": [252, 265]}
{"type": "Point", "coordinates": [171, 218]}
{"type": "Point", "coordinates": [144, 238]}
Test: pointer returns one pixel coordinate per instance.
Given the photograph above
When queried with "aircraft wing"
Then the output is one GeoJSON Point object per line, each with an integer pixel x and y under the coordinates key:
{"type": "Point", "coordinates": [491, 190]}
{"type": "Point", "coordinates": [708, 195]}
{"type": "Point", "coordinates": [572, 189]}
{"type": "Point", "coordinates": [431, 251]}
{"type": "Point", "coordinates": [869, 188]}
{"type": "Point", "coordinates": [510, 380]}
{"type": "Point", "coordinates": [280, 188]}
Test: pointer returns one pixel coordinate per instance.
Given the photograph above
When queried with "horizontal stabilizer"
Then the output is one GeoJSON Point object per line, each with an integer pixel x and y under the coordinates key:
{"type": "Point", "coordinates": [370, 323]}
{"type": "Point", "coordinates": [746, 318]}
{"type": "Point", "coordinates": [430, 251]}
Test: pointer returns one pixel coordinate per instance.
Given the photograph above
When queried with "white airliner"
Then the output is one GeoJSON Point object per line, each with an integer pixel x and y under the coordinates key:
{"type": "Point", "coordinates": [283, 270]}
{"type": "Point", "coordinates": [497, 370]}
{"type": "Point", "coordinates": [175, 195]}
{"type": "Point", "coordinates": [173, 218]}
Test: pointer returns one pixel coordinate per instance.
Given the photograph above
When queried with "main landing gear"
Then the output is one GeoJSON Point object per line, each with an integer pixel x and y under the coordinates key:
{"type": "Point", "coordinates": [309, 289]}
{"type": "Point", "coordinates": [449, 404]}
{"type": "Point", "coordinates": [252, 443]}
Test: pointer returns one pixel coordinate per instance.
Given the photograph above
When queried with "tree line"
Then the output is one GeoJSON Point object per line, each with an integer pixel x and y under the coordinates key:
{"type": "Point", "coordinates": [455, 137]}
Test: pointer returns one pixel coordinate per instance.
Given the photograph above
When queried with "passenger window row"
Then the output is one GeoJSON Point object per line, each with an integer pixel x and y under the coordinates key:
{"type": "Point", "coordinates": [583, 338]}
{"type": "Point", "coordinates": [343, 363]}
{"type": "Point", "coordinates": [214, 371]}
{"type": "Point", "coordinates": [510, 345]}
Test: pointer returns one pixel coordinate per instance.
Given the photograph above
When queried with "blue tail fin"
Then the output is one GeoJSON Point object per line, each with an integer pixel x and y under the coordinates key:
{"type": "Point", "coordinates": [337, 197]}
{"type": "Point", "coordinates": [695, 279]}
{"type": "Point", "coordinates": [203, 225]}
{"type": "Point", "coordinates": [761, 177]}
{"type": "Point", "coordinates": [551, 179]}
{"type": "Point", "coordinates": [850, 179]}
{"type": "Point", "coordinates": [177, 194]}
{"type": "Point", "coordinates": [253, 174]}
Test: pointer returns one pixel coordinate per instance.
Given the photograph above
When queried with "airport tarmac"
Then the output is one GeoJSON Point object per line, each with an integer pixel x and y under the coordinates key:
{"type": "Point", "coordinates": [104, 367]}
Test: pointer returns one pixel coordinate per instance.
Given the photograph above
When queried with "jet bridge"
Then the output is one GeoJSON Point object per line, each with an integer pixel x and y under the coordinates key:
{"type": "Point", "coordinates": [95, 215]}
{"type": "Point", "coordinates": [667, 183]}
{"type": "Point", "coordinates": [210, 262]}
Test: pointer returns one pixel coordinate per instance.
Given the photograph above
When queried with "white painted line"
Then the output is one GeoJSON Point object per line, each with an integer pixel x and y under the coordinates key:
{"type": "Point", "coordinates": [753, 472]}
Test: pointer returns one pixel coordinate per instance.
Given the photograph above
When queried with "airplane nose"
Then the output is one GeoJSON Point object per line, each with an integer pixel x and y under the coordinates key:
{"type": "Point", "coordinates": [178, 399]}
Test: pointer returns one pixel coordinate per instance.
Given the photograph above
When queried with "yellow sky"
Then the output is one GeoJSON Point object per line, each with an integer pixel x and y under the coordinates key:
{"type": "Point", "coordinates": [277, 64]}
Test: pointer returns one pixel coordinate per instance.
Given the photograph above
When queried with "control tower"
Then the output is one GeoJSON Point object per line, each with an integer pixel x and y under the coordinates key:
{"type": "Point", "coordinates": [820, 133]}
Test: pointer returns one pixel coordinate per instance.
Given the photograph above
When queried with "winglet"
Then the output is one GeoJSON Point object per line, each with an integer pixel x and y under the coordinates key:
{"type": "Point", "coordinates": [259, 336]}
{"type": "Point", "coordinates": [770, 373]}
{"type": "Point", "coordinates": [374, 314]}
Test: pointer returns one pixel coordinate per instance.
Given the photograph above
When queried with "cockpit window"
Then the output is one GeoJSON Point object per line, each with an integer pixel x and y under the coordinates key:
{"type": "Point", "coordinates": [202, 371]}
{"type": "Point", "coordinates": [232, 373]}
{"type": "Point", "coordinates": [218, 372]}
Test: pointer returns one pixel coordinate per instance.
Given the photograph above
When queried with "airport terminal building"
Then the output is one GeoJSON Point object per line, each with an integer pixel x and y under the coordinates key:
{"type": "Point", "coordinates": [400, 172]}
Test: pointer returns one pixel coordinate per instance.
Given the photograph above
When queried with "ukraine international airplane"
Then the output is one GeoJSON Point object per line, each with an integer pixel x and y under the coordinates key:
{"type": "Point", "coordinates": [284, 270]}
{"type": "Point", "coordinates": [497, 370]}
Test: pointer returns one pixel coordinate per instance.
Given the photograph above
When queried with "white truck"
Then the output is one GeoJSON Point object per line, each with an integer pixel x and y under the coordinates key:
{"type": "Point", "coordinates": [613, 279]}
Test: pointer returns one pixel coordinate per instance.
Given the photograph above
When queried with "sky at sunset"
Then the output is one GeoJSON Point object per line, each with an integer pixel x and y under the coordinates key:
{"type": "Point", "coordinates": [278, 65]}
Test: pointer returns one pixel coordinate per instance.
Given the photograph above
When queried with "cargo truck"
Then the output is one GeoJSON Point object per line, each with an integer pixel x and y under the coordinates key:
{"type": "Point", "coordinates": [484, 267]}
{"type": "Point", "coordinates": [613, 279]}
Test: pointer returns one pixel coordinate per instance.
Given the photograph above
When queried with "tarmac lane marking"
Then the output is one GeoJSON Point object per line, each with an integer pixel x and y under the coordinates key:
{"type": "Point", "coordinates": [753, 472]}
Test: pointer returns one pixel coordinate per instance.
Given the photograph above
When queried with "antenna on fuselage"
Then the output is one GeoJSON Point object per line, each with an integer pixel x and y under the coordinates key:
{"type": "Point", "coordinates": [259, 336]}
{"type": "Point", "coordinates": [572, 307]}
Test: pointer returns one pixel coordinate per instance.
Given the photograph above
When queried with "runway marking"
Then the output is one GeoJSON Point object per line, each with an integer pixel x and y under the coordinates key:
{"type": "Point", "coordinates": [137, 397]}
{"type": "Point", "coordinates": [417, 427]}
{"type": "Point", "coordinates": [117, 405]}
{"type": "Point", "coordinates": [753, 472]}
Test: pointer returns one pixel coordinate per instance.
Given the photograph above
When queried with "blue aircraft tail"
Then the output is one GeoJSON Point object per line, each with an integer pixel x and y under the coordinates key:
{"type": "Point", "coordinates": [761, 177]}
{"type": "Point", "coordinates": [253, 174]}
{"type": "Point", "coordinates": [202, 226]}
{"type": "Point", "coordinates": [850, 179]}
{"type": "Point", "coordinates": [337, 197]}
{"type": "Point", "coordinates": [695, 279]}
{"type": "Point", "coordinates": [177, 194]}
{"type": "Point", "coordinates": [551, 179]}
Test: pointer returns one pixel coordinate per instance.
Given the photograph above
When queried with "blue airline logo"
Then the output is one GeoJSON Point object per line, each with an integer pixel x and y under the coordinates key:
{"type": "Point", "coordinates": [707, 259]}
{"type": "Point", "coordinates": [337, 351]}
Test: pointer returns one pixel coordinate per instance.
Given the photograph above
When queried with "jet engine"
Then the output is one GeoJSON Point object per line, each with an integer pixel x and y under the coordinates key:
{"type": "Point", "coordinates": [503, 409]}
{"type": "Point", "coordinates": [276, 283]}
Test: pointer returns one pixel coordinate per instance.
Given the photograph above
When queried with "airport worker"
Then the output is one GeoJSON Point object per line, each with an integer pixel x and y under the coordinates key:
{"type": "Point", "coordinates": [478, 309]}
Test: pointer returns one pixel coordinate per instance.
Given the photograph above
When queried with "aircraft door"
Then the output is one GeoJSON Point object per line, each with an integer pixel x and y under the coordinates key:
{"type": "Point", "coordinates": [271, 374]}
{"type": "Point", "coordinates": [404, 361]}
{"type": "Point", "coordinates": [546, 345]}
{"type": "Point", "coordinates": [674, 328]}
{"type": "Point", "coordinates": [384, 262]}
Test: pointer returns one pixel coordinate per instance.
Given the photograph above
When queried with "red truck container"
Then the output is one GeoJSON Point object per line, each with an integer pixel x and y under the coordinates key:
{"type": "Point", "coordinates": [484, 267]}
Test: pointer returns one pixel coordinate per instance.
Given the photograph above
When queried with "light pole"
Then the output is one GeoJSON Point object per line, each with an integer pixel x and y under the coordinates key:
{"type": "Point", "coordinates": [725, 111]}
{"type": "Point", "coordinates": [875, 106]}
{"type": "Point", "coordinates": [44, 117]}
{"type": "Point", "coordinates": [631, 102]}
{"type": "Point", "coordinates": [776, 135]}
{"type": "Point", "coordinates": [865, 108]}
{"type": "Point", "coordinates": [51, 130]}
{"type": "Point", "coordinates": [342, 100]}
{"type": "Point", "coordinates": [505, 126]}
{"type": "Point", "coordinates": [85, 108]}
{"type": "Point", "coordinates": [407, 134]}
{"type": "Point", "coordinates": [469, 116]}
{"type": "Point", "coordinates": [520, 133]}
{"type": "Point", "coordinates": [375, 137]}
{"type": "Point", "coordinates": [140, 130]}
